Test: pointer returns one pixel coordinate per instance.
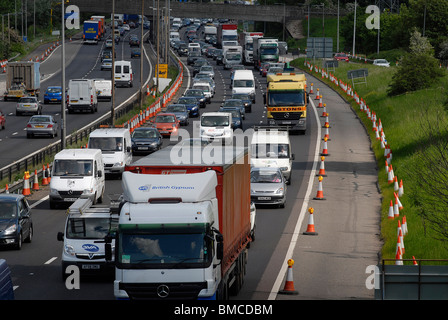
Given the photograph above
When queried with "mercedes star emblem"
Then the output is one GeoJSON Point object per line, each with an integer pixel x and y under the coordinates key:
{"type": "Point", "coordinates": [163, 291]}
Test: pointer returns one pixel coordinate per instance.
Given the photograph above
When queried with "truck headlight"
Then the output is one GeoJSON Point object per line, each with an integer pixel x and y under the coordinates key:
{"type": "Point", "coordinates": [284, 168]}
{"type": "Point", "coordinates": [54, 192]}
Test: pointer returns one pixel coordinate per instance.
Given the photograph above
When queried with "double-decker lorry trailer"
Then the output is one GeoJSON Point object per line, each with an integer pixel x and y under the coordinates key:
{"type": "Point", "coordinates": [265, 50]}
{"type": "Point", "coordinates": [22, 79]}
{"type": "Point", "coordinates": [102, 24]}
{"type": "Point", "coordinates": [184, 229]}
{"type": "Point", "coordinates": [246, 40]}
{"type": "Point", "coordinates": [91, 31]}
{"type": "Point", "coordinates": [226, 32]}
{"type": "Point", "coordinates": [286, 101]}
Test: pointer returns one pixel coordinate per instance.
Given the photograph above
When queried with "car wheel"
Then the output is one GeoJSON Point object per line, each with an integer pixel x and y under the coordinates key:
{"type": "Point", "coordinates": [30, 235]}
{"type": "Point", "coordinates": [18, 245]}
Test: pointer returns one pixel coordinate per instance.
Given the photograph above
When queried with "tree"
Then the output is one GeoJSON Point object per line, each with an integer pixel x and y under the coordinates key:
{"type": "Point", "coordinates": [418, 69]}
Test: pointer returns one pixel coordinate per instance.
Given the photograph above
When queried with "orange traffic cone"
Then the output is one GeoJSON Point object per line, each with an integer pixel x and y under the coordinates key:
{"type": "Point", "coordinates": [325, 148]}
{"type": "Point", "coordinates": [327, 122]}
{"type": "Point", "coordinates": [415, 261]}
{"type": "Point", "coordinates": [320, 192]}
{"type": "Point", "coordinates": [317, 95]}
{"type": "Point", "coordinates": [44, 176]}
{"type": "Point", "coordinates": [400, 206]}
{"type": "Point", "coordinates": [324, 113]}
{"type": "Point", "coordinates": [289, 283]}
{"type": "Point", "coordinates": [400, 236]}
{"type": "Point", "coordinates": [404, 226]}
{"type": "Point", "coordinates": [396, 210]}
{"type": "Point", "coordinates": [310, 231]}
{"type": "Point", "coordinates": [390, 175]}
{"type": "Point", "coordinates": [322, 167]}
{"type": "Point", "coordinates": [320, 105]}
{"type": "Point", "coordinates": [311, 89]}
{"type": "Point", "coordinates": [327, 134]}
{"type": "Point", "coordinates": [400, 188]}
{"type": "Point", "coordinates": [391, 215]}
{"type": "Point", "coordinates": [147, 90]}
{"type": "Point", "coordinates": [26, 184]}
{"type": "Point", "coordinates": [7, 189]}
{"type": "Point", "coordinates": [36, 182]}
{"type": "Point", "coordinates": [398, 254]}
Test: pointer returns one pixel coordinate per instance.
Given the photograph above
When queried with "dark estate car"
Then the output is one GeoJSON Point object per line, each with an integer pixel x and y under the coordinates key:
{"type": "Point", "coordinates": [146, 140]}
{"type": "Point", "coordinates": [16, 224]}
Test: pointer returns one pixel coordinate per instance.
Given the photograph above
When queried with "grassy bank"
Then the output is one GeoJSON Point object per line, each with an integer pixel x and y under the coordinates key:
{"type": "Point", "coordinates": [401, 119]}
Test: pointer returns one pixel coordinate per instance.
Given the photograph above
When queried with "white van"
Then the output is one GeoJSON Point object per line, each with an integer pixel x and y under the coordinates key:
{"type": "Point", "coordinates": [216, 126]}
{"type": "Point", "coordinates": [77, 172]}
{"type": "Point", "coordinates": [194, 46]}
{"type": "Point", "coordinates": [244, 82]}
{"type": "Point", "coordinates": [82, 95]}
{"type": "Point", "coordinates": [103, 89]}
{"type": "Point", "coordinates": [123, 73]}
{"type": "Point", "coordinates": [271, 147]}
{"type": "Point", "coordinates": [116, 148]}
{"type": "Point", "coordinates": [86, 229]}
{"type": "Point", "coordinates": [206, 88]}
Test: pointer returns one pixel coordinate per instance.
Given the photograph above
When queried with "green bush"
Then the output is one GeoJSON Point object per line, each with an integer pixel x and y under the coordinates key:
{"type": "Point", "coordinates": [415, 72]}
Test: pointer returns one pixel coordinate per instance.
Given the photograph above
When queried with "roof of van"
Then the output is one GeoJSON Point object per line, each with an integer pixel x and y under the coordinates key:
{"type": "Point", "coordinates": [243, 74]}
{"type": "Point", "coordinates": [270, 136]}
{"type": "Point", "coordinates": [77, 153]}
{"type": "Point", "coordinates": [109, 132]}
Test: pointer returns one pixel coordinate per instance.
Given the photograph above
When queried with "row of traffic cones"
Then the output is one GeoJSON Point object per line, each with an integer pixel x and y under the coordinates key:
{"type": "Point", "coordinates": [46, 177]}
{"type": "Point", "coordinates": [377, 127]}
{"type": "Point", "coordinates": [311, 230]}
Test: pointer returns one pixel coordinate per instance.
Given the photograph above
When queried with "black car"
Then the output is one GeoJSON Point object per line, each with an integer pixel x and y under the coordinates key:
{"type": "Point", "coordinates": [192, 57]}
{"type": "Point", "coordinates": [198, 64]}
{"type": "Point", "coordinates": [198, 94]}
{"type": "Point", "coordinates": [219, 57]}
{"type": "Point", "coordinates": [134, 41]}
{"type": "Point", "coordinates": [16, 224]}
{"type": "Point", "coordinates": [246, 100]}
{"type": "Point", "coordinates": [146, 140]}
{"type": "Point", "coordinates": [182, 50]}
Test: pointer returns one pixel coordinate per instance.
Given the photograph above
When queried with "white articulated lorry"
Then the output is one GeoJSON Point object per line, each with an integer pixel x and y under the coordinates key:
{"type": "Point", "coordinates": [184, 229]}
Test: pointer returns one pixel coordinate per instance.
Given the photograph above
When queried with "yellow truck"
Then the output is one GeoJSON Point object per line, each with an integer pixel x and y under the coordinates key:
{"type": "Point", "coordinates": [286, 101]}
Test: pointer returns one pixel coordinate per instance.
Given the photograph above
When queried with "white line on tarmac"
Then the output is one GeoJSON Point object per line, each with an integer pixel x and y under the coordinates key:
{"type": "Point", "coordinates": [51, 260]}
{"type": "Point", "coordinates": [281, 274]}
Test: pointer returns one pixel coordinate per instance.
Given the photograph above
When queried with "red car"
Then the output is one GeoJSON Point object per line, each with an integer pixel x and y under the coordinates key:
{"type": "Point", "coordinates": [341, 57]}
{"type": "Point", "coordinates": [2, 120]}
{"type": "Point", "coordinates": [166, 124]}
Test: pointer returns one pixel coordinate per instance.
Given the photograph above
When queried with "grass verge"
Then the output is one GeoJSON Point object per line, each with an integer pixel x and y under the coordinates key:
{"type": "Point", "coordinates": [401, 119]}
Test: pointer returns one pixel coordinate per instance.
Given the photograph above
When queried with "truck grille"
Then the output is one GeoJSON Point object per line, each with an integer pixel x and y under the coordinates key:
{"type": "Point", "coordinates": [286, 115]}
{"type": "Point", "coordinates": [158, 291]}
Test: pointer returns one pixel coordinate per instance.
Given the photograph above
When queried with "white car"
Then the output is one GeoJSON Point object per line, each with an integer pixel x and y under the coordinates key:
{"type": "Point", "coordinates": [381, 62]}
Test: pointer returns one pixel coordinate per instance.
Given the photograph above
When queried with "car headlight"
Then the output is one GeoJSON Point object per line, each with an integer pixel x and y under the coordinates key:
{"type": "Point", "coordinates": [11, 229]}
{"type": "Point", "coordinates": [279, 191]}
{"type": "Point", "coordinates": [69, 250]}
{"type": "Point", "coordinates": [154, 144]}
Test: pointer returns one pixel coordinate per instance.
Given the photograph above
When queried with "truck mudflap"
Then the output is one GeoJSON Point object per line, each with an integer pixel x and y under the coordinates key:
{"type": "Point", "coordinates": [166, 291]}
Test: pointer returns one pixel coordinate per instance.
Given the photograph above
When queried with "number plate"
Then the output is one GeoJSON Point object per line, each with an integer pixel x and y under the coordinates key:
{"type": "Point", "coordinates": [70, 199]}
{"type": "Point", "coordinates": [38, 126]}
{"type": "Point", "coordinates": [142, 148]}
{"type": "Point", "coordinates": [264, 198]}
{"type": "Point", "coordinates": [286, 122]}
{"type": "Point", "coordinates": [91, 266]}
{"type": "Point", "coordinates": [164, 132]}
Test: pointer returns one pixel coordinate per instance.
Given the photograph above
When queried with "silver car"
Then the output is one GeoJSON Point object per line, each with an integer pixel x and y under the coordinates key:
{"type": "Point", "coordinates": [268, 186]}
{"type": "Point", "coordinates": [208, 70]}
{"type": "Point", "coordinates": [106, 64]}
{"type": "Point", "coordinates": [28, 105]}
{"type": "Point", "coordinates": [42, 125]}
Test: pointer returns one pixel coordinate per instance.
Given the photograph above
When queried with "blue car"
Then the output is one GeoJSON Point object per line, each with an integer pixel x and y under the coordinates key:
{"type": "Point", "coordinates": [192, 105]}
{"type": "Point", "coordinates": [16, 224]}
{"type": "Point", "coordinates": [53, 95]}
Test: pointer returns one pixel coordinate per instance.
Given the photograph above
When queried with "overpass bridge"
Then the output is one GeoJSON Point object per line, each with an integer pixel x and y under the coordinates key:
{"type": "Point", "coordinates": [270, 13]}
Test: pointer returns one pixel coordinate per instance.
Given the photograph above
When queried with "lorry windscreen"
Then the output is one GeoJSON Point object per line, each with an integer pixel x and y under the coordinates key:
{"type": "Point", "coordinates": [272, 50]}
{"type": "Point", "coordinates": [286, 98]}
{"type": "Point", "coordinates": [167, 250]}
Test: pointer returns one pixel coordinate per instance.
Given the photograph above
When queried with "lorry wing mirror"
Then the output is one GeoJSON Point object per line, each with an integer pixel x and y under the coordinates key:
{"type": "Point", "coordinates": [100, 173]}
{"type": "Point", "coordinates": [293, 157]}
{"type": "Point", "coordinates": [128, 149]}
{"type": "Point", "coordinates": [60, 236]}
{"type": "Point", "coordinates": [108, 247]}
